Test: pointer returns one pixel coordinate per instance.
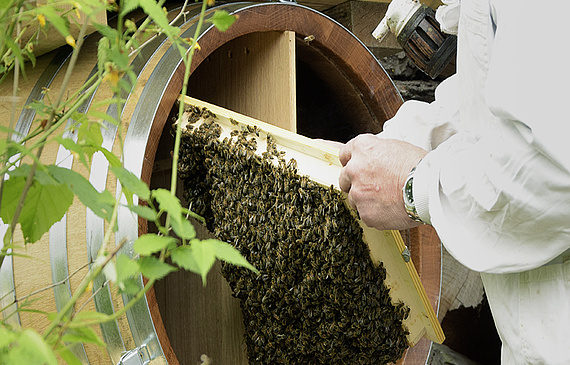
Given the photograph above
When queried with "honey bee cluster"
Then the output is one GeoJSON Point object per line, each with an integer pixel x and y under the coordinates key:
{"type": "Point", "coordinates": [318, 297]}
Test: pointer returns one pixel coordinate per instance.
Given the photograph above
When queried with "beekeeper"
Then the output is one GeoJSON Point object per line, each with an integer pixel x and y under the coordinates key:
{"type": "Point", "coordinates": [488, 165]}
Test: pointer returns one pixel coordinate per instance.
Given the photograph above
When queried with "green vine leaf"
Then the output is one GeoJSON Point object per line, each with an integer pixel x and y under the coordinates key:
{"type": "Point", "coordinates": [111, 158]}
{"type": "Point", "coordinates": [89, 316]}
{"type": "Point", "coordinates": [167, 202]}
{"type": "Point", "coordinates": [183, 228]}
{"type": "Point", "coordinates": [153, 268]}
{"type": "Point", "coordinates": [127, 269]}
{"type": "Point", "coordinates": [109, 270]}
{"type": "Point", "coordinates": [68, 356]}
{"type": "Point", "coordinates": [131, 184]}
{"type": "Point", "coordinates": [45, 204]}
{"type": "Point", "coordinates": [90, 137]}
{"type": "Point", "coordinates": [228, 253]}
{"type": "Point", "coordinates": [82, 335]}
{"type": "Point", "coordinates": [222, 20]}
{"type": "Point", "coordinates": [195, 258]}
{"type": "Point", "coordinates": [6, 337]}
{"type": "Point", "coordinates": [75, 149]}
{"type": "Point", "coordinates": [100, 203]}
{"type": "Point", "coordinates": [56, 19]}
{"type": "Point", "coordinates": [170, 204]}
{"type": "Point", "coordinates": [200, 256]}
{"type": "Point", "coordinates": [128, 6]}
{"type": "Point", "coordinates": [107, 31]}
{"type": "Point", "coordinates": [144, 211]}
{"type": "Point", "coordinates": [158, 15]}
{"type": "Point", "coordinates": [150, 243]}
{"type": "Point", "coordinates": [27, 347]}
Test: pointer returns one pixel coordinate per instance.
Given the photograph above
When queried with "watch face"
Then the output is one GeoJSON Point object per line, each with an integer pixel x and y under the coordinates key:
{"type": "Point", "coordinates": [408, 192]}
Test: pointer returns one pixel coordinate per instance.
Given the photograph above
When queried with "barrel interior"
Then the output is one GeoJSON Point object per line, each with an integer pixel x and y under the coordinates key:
{"type": "Point", "coordinates": [306, 92]}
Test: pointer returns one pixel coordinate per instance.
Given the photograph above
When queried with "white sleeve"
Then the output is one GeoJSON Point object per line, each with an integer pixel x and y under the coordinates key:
{"type": "Point", "coordinates": [501, 202]}
{"type": "Point", "coordinates": [426, 125]}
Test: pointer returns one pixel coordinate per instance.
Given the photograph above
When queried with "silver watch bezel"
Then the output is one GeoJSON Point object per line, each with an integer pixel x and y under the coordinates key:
{"type": "Point", "coordinates": [408, 194]}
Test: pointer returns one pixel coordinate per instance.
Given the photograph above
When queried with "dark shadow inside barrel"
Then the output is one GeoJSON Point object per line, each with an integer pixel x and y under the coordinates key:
{"type": "Point", "coordinates": [329, 106]}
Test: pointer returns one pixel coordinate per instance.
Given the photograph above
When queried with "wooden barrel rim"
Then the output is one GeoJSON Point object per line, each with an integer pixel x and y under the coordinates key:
{"type": "Point", "coordinates": [360, 67]}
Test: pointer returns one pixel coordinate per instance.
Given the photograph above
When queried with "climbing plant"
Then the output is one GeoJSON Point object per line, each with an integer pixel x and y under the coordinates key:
{"type": "Point", "coordinates": [35, 195]}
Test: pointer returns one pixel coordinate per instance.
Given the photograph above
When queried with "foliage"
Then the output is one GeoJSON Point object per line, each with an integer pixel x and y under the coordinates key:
{"type": "Point", "coordinates": [34, 195]}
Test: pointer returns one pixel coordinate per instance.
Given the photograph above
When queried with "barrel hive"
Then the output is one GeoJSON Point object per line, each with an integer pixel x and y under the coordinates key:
{"type": "Point", "coordinates": [282, 63]}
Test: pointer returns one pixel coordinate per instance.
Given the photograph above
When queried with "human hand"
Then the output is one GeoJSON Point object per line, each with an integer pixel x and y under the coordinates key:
{"type": "Point", "coordinates": [373, 175]}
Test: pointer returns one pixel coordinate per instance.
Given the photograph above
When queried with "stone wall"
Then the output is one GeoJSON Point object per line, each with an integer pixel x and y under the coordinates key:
{"type": "Point", "coordinates": [409, 80]}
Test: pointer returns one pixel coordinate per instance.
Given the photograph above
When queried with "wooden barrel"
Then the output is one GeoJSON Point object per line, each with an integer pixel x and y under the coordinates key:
{"type": "Point", "coordinates": [280, 62]}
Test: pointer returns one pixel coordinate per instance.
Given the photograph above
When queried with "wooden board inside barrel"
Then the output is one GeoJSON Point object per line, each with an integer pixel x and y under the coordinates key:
{"type": "Point", "coordinates": [253, 75]}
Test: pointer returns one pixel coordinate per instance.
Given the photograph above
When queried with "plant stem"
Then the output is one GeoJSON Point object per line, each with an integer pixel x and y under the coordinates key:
{"type": "Point", "coordinates": [96, 269]}
{"type": "Point", "coordinates": [29, 180]}
{"type": "Point", "coordinates": [120, 312]}
{"type": "Point", "coordinates": [50, 129]}
{"type": "Point", "coordinates": [187, 64]}
{"type": "Point", "coordinates": [4, 249]}
{"type": "Point", "coordinates": [18, 300]}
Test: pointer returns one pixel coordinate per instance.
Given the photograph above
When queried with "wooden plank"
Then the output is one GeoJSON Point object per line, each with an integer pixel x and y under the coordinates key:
{"type": "Point", "coordinates": [320, 162]}
{"type": "Point", "coordinates": [253, 75]}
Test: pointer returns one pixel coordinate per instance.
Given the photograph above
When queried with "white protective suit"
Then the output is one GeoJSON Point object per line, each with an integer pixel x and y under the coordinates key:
{"type": "Point", "coordinates": [496, 183]}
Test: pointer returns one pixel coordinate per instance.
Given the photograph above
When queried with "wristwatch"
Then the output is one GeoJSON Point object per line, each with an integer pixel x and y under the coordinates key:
{"type": "Point", "coordinates": [408, 193]}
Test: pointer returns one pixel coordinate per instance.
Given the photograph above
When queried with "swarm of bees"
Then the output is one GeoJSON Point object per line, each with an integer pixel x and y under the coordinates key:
{"type": "Point", "coordinates": [318, 297]}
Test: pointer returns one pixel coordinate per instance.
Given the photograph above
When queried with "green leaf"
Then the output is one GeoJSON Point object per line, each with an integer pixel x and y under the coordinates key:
{"type": "Point", "coordinates": [91, 316]}
{"type": "Point", "coordinates": [89, 136]}
{"type": "Point", "coordinates": [168, 203]}
{"type": "Point", "coordinates": [102, 115]}
{"type": "Point", "coordinates": [129, 286]}
{"type": "Point", "coordinates": [197, 258]}
{"type": "Point", "coordinates": [150, 243]}
{"type": "Point", "coordinates": [4, 4]}
{"type": "Point", "coordinates": [144, 211]}
{"type": "Point", "coordinates": [184, 258]}
{"type": "Point", "coordinates": [41, 176]}
{"type": "Point", "coordinates": [111, 158]}
{"type": "Point", "coordinates": [74, 148]}
{"type": "Point", "coordinates": [107, 31]}
{"type": "Point", "coordinates": [6, 337]}
{"type": "Point", "coordinates": [110, 271]}
{"type": "Point", "coordinates": [30, 348]}
{"type": "Point", "coordinates": [228, 253]}
{"type": "Point", "coordinates": [128, 6]}
{"type": "Point", "coordinates": [56, 19]}
{"type": "Point", "coordinates": [44, 205]}
{"type": "Point", "coordinates": [40, 107]}
{"type": "Point", "coordinates": [153, 268]}
{"type": "Point", "coordinates": [100, 203]}
{"type": "Point", "coordinates": [82, 335]}
{"type": "Point", "coordinates": [222, 20]}
{"type": "Point", "coordinates": [126, 268]}
{"type": "Point", "coordinates": [132, 183]}
{"type": "Point", "coordinates": [157, 14]}
{"type": "Point", "coordinates": [183, 228]}
{"type": "Point", "coordinates": [68, 356]}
